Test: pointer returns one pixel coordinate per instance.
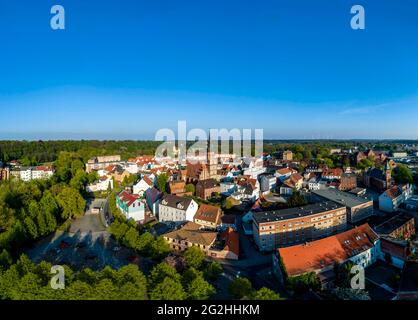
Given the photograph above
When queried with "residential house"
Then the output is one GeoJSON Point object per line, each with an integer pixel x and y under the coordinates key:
{"type": "Point", "coordinates": [332, 174]}
{"type": "Point", "coordinates": [131, 206]}
{"type": "Point", "coordinates": [173, 208]}
{"type": "Point", "coordinates": [294, 182]}
{"type": "Point", "coordinates": [153, 197]}
{"type": "Point", "coordinates": [219, 246]}
{"type": "Point", "coordinates": [286, 155]}
{"type": "Point", "coordinates": [177, 187]}
{"type": "Point", "coordinates": [268, 183]}
{"type": "Point", "coordinates": [206, 188]}
{"type": "Point", "coordinates": [400, 226]}
{"type": "Point", "coordinates": [316, 183]}
{"type": "Point", "coordinates": [208, 216]}
{"type": "Point", "coordinates": [379, 156]}
{"type": "Point", "coordinates": [103, 184]}
{"type": "Point", "coordinates": [248, 189]}
{"type": "Point", "coordinates": [228, 221]}
{"type": "Point", "coordinates": [33, 173]}
{"type": "Point", "coordinates": [395, 251]}
{"type": "Point", "coordinates": [117, 172]}
{"type": "Point", "coordinates": [227, 246]}
{"type": "Point", "coordinates": [228, 187]}
{"type": "Point", "coordinates": [391, 199]}
{"type": "Point", "coordinates": [98, 163]}
{"type": "Point", "coordinates": [142, 185]}
{"type": "Point", "coordinates": [254, 168]}
{"type": "Point", "coordinates": [191, 235]}
{"type": "Point", "coordinates": [284, 173]}
{"type": "Point", "coordinates": [359, 245]}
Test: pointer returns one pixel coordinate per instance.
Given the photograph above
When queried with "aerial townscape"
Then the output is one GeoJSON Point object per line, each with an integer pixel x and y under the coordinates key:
{"type": "Point", "coordinates": [290, 223]}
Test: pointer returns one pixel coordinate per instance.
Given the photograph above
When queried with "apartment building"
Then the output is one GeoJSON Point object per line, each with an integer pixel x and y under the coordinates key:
{"type": "Point", "coordinates": [358, 208]}
{"type": "Point", "coordinates": [31, 173]}
{"type": "Point", "coordinates": [99, 163]}
{"type": "Point", "coordinates": [279, 228]}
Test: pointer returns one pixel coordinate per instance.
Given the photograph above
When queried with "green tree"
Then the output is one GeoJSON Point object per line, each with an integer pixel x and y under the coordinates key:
{"type": "Point", "coordinates": [296, 200]}
{"type": "Point", "coordinates": [213, 270]}
{"type": "Point", "coordinates": [71, 202]}
{"type": "Point", "coordinates": [79, 180]}
{"type": "Point", "coordinates": [30, 228]}
{"type": "Point", "coordinates": [265, 294]}
{"type": "Point", "coordinates": [79, 290]}
{"type": "Point", "coordinates": [304, 283]}
{"type": "Point", "coordinates": [365, 163]}
{"type": "Point", "coordinates": [200, 289]}
{"type": "Point", "coordinates": [194, 257]}
{"type": "Point", "coordinates": [402, 174]}
{"type": "Point", "coordinates": [240, 288]}
{"type": "Point", "coordinates": [5, 260]}
{"type": "Point", "coordinates": [189, 275]}
{"type": "Point", "coordinates": [160, 248]}
{"type": "Point", "coordinates": [160, 272]}
{"type": "Point", "coordinates": [162, 181]}
{"type": "Point", "coordinates": [190, 188]}
{"type": "Point", "coordinates": [168, 289]}
{"type": "Point", "coordinates": [343, 274]}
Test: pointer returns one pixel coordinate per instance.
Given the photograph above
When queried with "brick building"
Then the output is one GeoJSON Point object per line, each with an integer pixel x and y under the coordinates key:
{"type": "Point", "coordinates": [348, 182]}
{"type": "Point", "coordinates": [206, 188]}
{"type": "Point", "coordinates": [278, 228]}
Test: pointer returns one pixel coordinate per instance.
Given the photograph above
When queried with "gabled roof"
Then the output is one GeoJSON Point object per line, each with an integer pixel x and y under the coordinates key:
{"type": "Point", "coordinates": [231, 239]}
{"type": "Point", "coordinates": [208, 213]}
{"type": "Point", "coordinates": [337, 172]}
{"type": "Point", "coordinates": [284, 171]}
{"type": "Point", "coordinates": [208, 183]}
{"type": "Point", "coordinates": [394, 192]}
{"type": "Point", "coordinates": [174, 201]}
{"type": "Point", "coordinates": [127, 198]}
{"type": "Point", "coordinates": [293, 180]}
{"type": "Point", "coordinates": [191, 232]}
{"type": "Point", "coordinates": [152, 194]}
{"type": "Point", "coordinates": [326, 252]}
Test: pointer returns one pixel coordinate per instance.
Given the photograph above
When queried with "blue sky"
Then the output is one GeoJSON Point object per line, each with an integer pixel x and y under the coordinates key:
{"type": "Point", "coordinates": [124, 69]}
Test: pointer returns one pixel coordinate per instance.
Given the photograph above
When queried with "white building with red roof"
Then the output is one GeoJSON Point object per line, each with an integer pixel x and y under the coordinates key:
{"type": "Point", "coordinates": [131, 206]}
{"type": "Point", "coordinates": [143, 185]}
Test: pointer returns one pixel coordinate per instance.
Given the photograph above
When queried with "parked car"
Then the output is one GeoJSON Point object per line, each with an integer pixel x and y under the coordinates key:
{"type": "Point", "coordinates": [64, 245]}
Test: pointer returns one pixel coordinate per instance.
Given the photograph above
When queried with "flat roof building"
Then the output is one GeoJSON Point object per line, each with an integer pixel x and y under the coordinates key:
{"type": "Point", "coordinates": [358, 208]}
{"type": "Point", "coordinates": [278, 228]}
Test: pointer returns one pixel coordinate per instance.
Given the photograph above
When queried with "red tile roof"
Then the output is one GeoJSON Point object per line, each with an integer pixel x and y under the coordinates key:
{"type": "Point", "coordinates": [325, 252]}
{"type": "Point", "coordinates": [393, 192]}
{"type": "Point", "coordinates": [128, 198]}
{"type": "Point", "coordinates": [208, 213]}
{"type": "Point", "coordinates": [231, 239]}
{"type": "Point", "coordinates": [337, 172]}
